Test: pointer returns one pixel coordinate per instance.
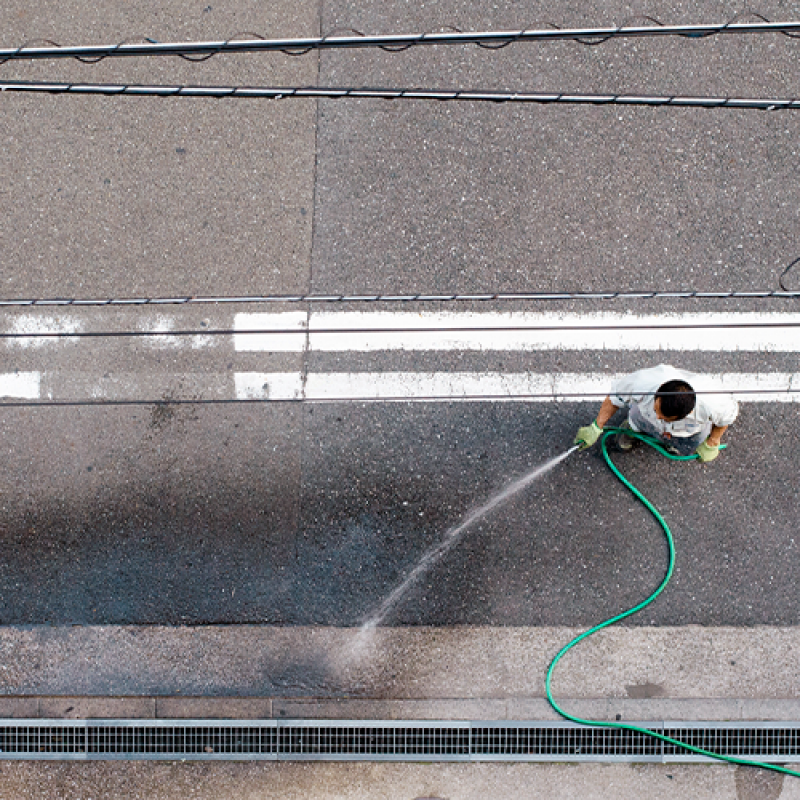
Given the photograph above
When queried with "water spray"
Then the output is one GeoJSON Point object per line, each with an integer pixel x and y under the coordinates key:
{"type": "Point", "coordinates": [452, 536]}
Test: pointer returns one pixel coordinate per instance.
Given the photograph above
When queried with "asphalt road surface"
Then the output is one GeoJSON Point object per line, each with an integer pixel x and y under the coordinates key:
{"type": "Point", "coordinates": [297, 513]}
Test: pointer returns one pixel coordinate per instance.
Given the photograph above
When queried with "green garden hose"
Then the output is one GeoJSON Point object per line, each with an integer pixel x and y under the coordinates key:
{"type": "Point", "coordinates": [631, 611]}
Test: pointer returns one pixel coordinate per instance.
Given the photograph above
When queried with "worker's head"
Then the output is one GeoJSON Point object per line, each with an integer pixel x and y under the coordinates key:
{"type": "Point", "coordinates": [674, 400]}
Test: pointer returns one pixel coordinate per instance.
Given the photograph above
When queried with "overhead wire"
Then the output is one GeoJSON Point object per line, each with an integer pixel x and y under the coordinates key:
{"type": "Point", "coordinates": [325, 331]}
{"type": "Point", "coordinates": [430, 398]}
{"type": "Point", "coordinates": [352, 92]}
{"type": "Point", "coordinates": [784, 294]}
{"type": "Point", "coordinates": [782, 276]}
{"type": "Point", "coordinates": [396, 42]}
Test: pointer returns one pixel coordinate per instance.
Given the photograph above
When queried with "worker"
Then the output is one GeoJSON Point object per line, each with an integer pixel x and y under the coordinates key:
{"type": "Point", "coordinates": [662, 403]}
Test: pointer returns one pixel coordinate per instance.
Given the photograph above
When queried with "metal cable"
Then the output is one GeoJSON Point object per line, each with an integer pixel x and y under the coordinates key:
{"type": "Point", "coordinates": [304, 331]}
{"type": "Point", "coordinates": [554, 396]}
{"type": "Point", "coordinates": [394, 42]}
{"type": "Point", "coordinates": [786, 271]}
{"type": "Point", "coordinates": [404, 298]}
{"type": "Point", "coordinates": [334, 93]}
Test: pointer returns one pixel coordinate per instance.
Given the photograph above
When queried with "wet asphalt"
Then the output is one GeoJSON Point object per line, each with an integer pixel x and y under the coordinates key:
{"type": "Point", "coordinates": [313, 515]}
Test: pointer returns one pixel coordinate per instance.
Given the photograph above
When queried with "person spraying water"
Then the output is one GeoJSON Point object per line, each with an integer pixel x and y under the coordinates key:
{"type": "Point", "coordinates": [682, 429]}
{"type": "Point", "coordinates": [665, 414]}
{"type": "Point", "coordinates": [662, 403]}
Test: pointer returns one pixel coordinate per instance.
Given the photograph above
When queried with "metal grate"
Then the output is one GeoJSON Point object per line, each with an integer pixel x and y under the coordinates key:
{"type": "Point", "coordinates": [136, 739]}
{"type": "Point", "coordinates": [362, 740]}
{"type": "Point", "coordinates": [185, 740]}
{"type": "Point", "coordinates": [780, 741]}
{"type": "Point", "coordinates": [359, 740]}
{"type": "Point", "coordinates": [562, 743]}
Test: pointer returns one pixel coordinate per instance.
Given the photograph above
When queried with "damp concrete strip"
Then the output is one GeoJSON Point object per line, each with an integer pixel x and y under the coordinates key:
{"type": "Point", "coordinates": [460, 672]}
{"type": "Point", "coordinates": [653, 711]}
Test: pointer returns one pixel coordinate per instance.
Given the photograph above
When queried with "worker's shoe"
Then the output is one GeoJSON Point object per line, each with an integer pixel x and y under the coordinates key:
{"type": "Point", "coordinates": [622, 440]}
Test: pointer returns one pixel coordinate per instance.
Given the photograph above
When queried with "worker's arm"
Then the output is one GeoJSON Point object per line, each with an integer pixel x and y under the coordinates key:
{"type": "Point", "coordinates": [589, 434]}
{"type": "Point", "coordinates": [715, 437]}
{"type": "Point", "coordinates": [607, 410]}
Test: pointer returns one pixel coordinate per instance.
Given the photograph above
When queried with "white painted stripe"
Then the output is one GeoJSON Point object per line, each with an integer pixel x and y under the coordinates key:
{"type": "Point", "coordinates": [597, 331]}
{"type": "Point", "coordinates": [165, 324]}
{"type": "Point", "coordinates": [371, 386]}
{"type": "Point", "coordinates": [22, 385]}
{"type": "Point", "coordinates": [783, 387]}
{"type": "Point", "coordinates": [67, 385]}
{"type": "Point", "coordinates": [271, 342]}
{"type": "Point", "coordinates": [31, 323]}
{"type": "Point", "coordinates": [268, 386]}
{"type": "Point", "coordinates": [474, 385]}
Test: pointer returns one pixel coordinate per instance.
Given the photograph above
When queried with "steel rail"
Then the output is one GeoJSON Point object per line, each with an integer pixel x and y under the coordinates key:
{"type": "Point", "coordinates": [449, 398]}
{"type": "Point", "coordinates": [398, 298]}
{"type": "Point", "coordinates": [308, 331]}
{"type": "Point", "coordinates": [390, 41]}
{"type": "Point", "coordinates": [336, 93]}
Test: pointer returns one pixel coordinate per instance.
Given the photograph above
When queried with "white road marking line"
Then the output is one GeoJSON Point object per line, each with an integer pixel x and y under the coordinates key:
{"type": "Point", "coordinates": [334, 331]}
{"type": "Point", "coordinates": [779, 387]}
{"type": "Point", "coordinates": [20, 385]}
{"type": "Point", "coordinates": [29, 323]}
{"type": "Point", "coordinates": [268, 386]}
{"type": "Point", "coordinates": [166, 324]}
{"type": "Point", "coordinates": [595, 331]}
{"type": "Point", "coordinates": [149, 386]}
{"type": "Point", "coordinates": [271, 342]}
{"type": "Point", "coordinates": [445, 386]}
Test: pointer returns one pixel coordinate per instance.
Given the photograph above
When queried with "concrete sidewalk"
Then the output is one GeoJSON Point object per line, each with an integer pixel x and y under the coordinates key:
{"type": "Point", "coordinates": [686, 673]}
{"type": "Point", "coordinates": [293, 781]}
{"type": "Point", "coordinates": [534, 709]}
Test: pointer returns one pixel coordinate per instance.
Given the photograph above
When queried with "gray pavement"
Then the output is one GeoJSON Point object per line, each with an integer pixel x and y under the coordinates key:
{"type": "Point", "coordinates": [389, 781]}
{"type": "Point", "coordinates": [620, 667]}
{"type": "Point", "coordinates": [148, 198]}
{"type": "Point", "coordinates": [460, 198]}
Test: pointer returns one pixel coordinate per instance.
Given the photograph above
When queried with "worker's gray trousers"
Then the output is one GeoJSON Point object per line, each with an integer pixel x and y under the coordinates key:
{"type": "Point", "coordinates": [682, 445]}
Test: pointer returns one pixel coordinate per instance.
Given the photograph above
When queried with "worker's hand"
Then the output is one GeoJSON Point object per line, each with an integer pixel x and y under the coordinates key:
{"type": "Point", "coordinates": [707, 452]}
{"type": "Point", "coordinates": [588, 435]}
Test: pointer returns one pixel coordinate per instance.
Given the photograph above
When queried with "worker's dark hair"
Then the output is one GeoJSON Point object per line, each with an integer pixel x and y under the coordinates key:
{"type": "Point", "coordinates": [677, 399]}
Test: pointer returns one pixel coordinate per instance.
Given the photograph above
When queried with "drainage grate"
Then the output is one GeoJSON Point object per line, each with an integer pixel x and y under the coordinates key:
{"type": "Point", "coordinates": [358, 740]}
{"type": "Point", "coordinates": [775, 742]}
{"type": "Point", "coordinates": [388, 740]}
{"type": "Point", "coordinates": [135, 739]}
{"type": "Point", "coordinates": [563, 743]}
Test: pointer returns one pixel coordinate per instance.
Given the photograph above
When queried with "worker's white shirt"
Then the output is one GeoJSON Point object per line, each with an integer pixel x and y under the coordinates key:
{"type": "Point", "coordinates": [639, 389]}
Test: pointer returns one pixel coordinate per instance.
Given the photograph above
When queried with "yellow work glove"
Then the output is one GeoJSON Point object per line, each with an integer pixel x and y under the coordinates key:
{"type": "Point", "coordinates": [707, 452]}
{"type": "Point", "coordinates": [588, 435]}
